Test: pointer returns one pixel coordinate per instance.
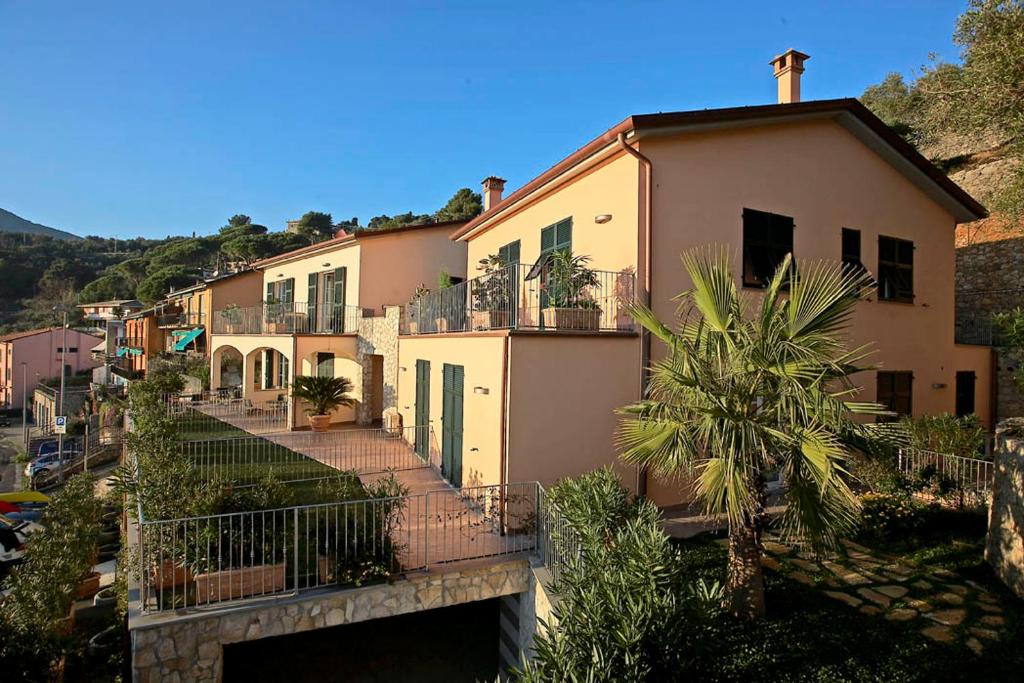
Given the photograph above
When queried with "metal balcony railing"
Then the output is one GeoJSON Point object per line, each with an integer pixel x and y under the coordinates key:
{"type": "Point", "coordinates": [519, 296]}
{"type": "Point", "coordinates": [210, 560]}
{"type": "Point", "coordinates": [131, 342]}
{"type": "Point", "coordinates": [181, 319]}
{"type": "Point", "coordinates": [972, 474]}
{"type": "Point", "coordinates": [288, 318]}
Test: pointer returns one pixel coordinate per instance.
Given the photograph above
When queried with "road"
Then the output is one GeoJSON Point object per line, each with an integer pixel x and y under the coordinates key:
{"type": "Point", "coordinates": [10, 442]}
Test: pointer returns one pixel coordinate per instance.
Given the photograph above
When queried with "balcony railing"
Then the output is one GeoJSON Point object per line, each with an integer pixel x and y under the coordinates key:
{"type": "Point", "coordinates": [972, 474]}
{"type": "Point", "coordinates": [521, 297]}
{"type": "Point", "coordinates": [131, 342]}
{"type": "Point", "coordinates": [181, 319]}
{"type": "Point", "coordinates": [209, 560]}
{"type": "Point", "coordinates": [288, 318]}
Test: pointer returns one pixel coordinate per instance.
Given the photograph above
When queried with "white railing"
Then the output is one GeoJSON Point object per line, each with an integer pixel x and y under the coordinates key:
{"type": "Point", "coordinates": [204, 415]}
{"type": "Point", "coordinates": [305, 456]}
{"type": "Point", "coordinates": [971, 474]}
{"type": "Point", "coordinates": [211, 560]}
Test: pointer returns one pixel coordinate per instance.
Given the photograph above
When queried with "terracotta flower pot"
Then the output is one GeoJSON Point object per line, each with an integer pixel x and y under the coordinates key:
{"type": "Point", "coordinates": [89, 586]}
{"type": "Point", "coordinates": [320, 423]}
{"type": "Point", "coordinates": [169, 575]}
{"type": "Point", "coordinates": [573, 318]}
{"type": "Point", "coordinates": [231, 584]}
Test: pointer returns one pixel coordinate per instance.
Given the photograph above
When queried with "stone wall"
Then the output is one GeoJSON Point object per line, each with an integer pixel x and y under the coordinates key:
{"type": "Point", "coordinates": [378, 336]}
{"type": "Point", "coordinates": [178, 648]}
{"type": "Point", "coordinates": [1004, 547]}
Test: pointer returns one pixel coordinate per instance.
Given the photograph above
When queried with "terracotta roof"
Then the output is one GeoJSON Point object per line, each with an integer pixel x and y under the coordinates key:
{"type": "Point", "coordinates": [641, 123]}
{"type": "Point", "coordinates": [27, 333]}
{"type": "Point", "coordinates": [357, 236]}
{"type": "Point", "coordinates": [132, 303]}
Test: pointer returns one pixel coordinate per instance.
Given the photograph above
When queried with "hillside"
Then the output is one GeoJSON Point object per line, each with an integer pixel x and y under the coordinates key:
{"type": "Point", "coordinates": [10, 222]}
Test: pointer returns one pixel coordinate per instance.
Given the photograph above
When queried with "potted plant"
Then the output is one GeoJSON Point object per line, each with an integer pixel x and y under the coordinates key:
{"type": "Point", "coordinates": [492, 294]}
{"type": "Point", "coordinates": [232, 317]}
{"type": "Point", "coordinates": [568, 304]}
{"type": "Point", "coordinates": [323, 394]}
{"type": "Point", "coordinates": [273, 315]}
{"type": "Point", "coordinates": [415, 317]}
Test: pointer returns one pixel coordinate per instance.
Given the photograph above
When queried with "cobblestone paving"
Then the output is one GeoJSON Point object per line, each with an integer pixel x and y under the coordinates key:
{"type": "Point", "coordinates": [942, 605]}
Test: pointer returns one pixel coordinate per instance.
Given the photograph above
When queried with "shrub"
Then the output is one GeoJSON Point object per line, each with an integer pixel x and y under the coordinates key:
{"type": "Point", "coordinates": [884, 516]}
{"type": "Point", "coordinates": [628, 608]}
{"type": "Point", "coordinates": [963, 436]}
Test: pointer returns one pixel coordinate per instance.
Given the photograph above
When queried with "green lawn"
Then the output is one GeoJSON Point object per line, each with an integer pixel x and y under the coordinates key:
{"type": "Point", "coordinates": [808, 636]}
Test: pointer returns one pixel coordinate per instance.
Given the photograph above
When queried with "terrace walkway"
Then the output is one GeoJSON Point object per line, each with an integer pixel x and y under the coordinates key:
{"type": "Point", "coordinates": [945, 606]}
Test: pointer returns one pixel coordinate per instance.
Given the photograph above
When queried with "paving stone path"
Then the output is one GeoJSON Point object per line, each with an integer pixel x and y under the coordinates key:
{"type": "Point", "coordinates": [946, 607]}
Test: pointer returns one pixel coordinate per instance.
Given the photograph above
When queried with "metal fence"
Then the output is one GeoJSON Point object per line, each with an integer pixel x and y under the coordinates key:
{"type": "Point", "coordinates": [521, 297]}
{"type": "Point", "coordinates": [559, 543]}
{"type": "Point", "coordinates": [971, 474]}
{"type": "Point", "coordinates": [205, 561]}
{"type": "Point", "coordinates": [306, 456]}
{"type": "Point", "coordinates": [181, 319]}
{"type": "Point", "coordinates": [199, 417]}
{"type": "Point", "coordinates": [288, 318]}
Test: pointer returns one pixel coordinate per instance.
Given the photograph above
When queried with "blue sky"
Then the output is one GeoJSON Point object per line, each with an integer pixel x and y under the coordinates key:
{"type": "Point", "coordinates": [145, 118]}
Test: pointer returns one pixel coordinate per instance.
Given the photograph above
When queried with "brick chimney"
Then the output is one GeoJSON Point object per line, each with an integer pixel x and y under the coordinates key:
{"type": "Point", "coordinates": [788, 67]}
{"type": "Point", "coordinates": [493, 187]}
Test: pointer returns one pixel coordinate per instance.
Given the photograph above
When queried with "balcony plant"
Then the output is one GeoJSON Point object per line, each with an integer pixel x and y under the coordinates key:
{"type": "Point", "coordinates": [324, 394]}
{"type": "Point", "coordinates": [231, 316]}
{"type": "Point", "coordinates": [274, 315]}
{"type": "Point", "coordinates": [417, 307]}
{"type": "Point", "coordinates": [567, 293]}
{"type": "Point", "coordinates": [492, 294]}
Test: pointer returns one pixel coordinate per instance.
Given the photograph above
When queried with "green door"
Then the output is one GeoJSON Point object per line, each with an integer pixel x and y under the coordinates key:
{"type": "Point", "coordinates": [451, 424]}
{"type": "Point", "coordinates": [423, 409]}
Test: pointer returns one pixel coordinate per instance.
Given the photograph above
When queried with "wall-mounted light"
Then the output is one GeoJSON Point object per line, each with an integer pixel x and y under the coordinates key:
{"type": "Point", "coordinates": [481, 390]}
{"type": "Point", "coordinates": [474, 450]}
{"type": "Point", "coordinates": [402, 368]}
{"type": "Point", "coordinates": [939, 385]}
{"type": "Point", "coordinates": [280, 274]}
{"type": "Point", "coordinates": [603, 218]}
{"type": "Point", "coordinates": [325, 265]}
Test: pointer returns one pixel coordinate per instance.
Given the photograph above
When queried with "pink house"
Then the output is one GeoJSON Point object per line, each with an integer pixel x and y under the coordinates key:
{"type": "Point", "coordinates": [40, 351]}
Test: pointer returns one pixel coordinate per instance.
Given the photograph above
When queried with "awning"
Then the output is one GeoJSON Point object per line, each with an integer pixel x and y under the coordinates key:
{"type": "Point", "coordinates": [186, 338]}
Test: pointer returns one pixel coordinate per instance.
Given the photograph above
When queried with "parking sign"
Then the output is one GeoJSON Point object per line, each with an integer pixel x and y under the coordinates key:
{"type": "Point", "coordinates": [60, 425]}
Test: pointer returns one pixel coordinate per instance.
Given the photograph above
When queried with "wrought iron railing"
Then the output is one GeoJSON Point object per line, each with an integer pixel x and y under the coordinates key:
{"type": "Point", "coordinates": [131, 342]}
{"type": "Point", "coordinates": [181, 319]}
{"type": "Point", "coordinates": [200, 417]}
{"type": "Point", "coordinates": [559, 543]}
{"type": "Point", "coordinates": [521, 297]}
{"type": "Point", "coordinates": [288, 318]}
{"type": "Point", "coordinates": [211, 560]}
{"type": "Point", "coordinates": [971, 474]}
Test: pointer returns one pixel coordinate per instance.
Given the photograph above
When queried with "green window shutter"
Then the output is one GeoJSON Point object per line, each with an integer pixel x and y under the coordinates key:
{"type": "Point", "coordinates": [268, 369]}
{"type": "Point", "coordinates": [339, 298]}
{"type": "Point", "coordinates": [547, 239]}
{"type": "Point", "coordinates": [288, 291]}
{"type": "Point", "coordinates": [563, 235]}
{"type": "Point", "coordinates": [270, 291]}
{"type": "Point", "coordinates": [311, 301]}
{"type": "Point", "coordinates": [509, 253]}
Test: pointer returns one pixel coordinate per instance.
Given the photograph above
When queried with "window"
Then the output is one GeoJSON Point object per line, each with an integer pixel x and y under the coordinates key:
{"type": "Point", "coordinates": [895, 269]}
{"type": "Point", "coordinates": [851, 250]}
{"type": "Point", "coordinates": [268, 369]}
{"type": "Point", "coordinates": [510, 252]}
{"type": "Point", "coordinates": [71, 349]}
{"type": "Point", "coordinates": [895, 391]}
{"type": "Point", "coordinates": [767, 238]}
{"type": "Point", "coordinates": [325, 364]}
{"type": "Point", "coordinates": [282, 371]}
{"type": "Point", "coordinates": [554, 237]}
{"type": "Point", "coordinates": [965, 384]}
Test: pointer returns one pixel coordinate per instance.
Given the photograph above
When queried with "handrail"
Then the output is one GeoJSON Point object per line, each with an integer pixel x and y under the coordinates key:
{"type": "Point", "coordinates": [288, 318]}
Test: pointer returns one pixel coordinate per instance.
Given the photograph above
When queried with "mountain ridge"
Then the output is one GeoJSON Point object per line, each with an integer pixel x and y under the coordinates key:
{"type": "Point", "coordinates": [11, 222]}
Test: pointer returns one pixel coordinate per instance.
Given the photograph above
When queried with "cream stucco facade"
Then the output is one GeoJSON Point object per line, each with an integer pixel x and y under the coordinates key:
{"type": "Point", "coordinates": [822, 170]}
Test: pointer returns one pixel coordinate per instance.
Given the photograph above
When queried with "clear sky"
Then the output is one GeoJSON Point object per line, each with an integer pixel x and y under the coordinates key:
{"type": "Point", "coordinates": [156, 118]}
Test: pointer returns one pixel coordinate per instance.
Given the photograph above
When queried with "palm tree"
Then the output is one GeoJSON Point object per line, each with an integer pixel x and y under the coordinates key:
{"type": "Point", "coordinates": [749, 388]}
{"type": "Point", "coordinates": [324, 394]}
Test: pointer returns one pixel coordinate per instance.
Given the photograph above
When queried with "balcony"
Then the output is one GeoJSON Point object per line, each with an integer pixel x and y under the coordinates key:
{"type": "Point", "coordinates": [130, 346]}
{"type": "Point", "coordinates": [288, 318]}
{"type": "Point", "coordinates": [181, 319]}
{"type": "Point", "coordinates": [521, 297]}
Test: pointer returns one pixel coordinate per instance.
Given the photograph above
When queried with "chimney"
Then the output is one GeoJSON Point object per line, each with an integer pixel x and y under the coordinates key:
{"type": "Point", "coordinates": [493, 187]}
{"type": "Point", "coordinates": [788, 67]}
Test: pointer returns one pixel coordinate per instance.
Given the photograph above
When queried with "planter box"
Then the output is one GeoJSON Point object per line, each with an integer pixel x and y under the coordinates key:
{"type": "Point", "coordinates": [442, 324]}
{"type": "Point", "coordinates": [231, 584]}
{"type": "Point", "coordinates": [573, 318]}
{"type": "Point", "coordinates": [169, 575]}
{"type": "Point", "coordinates": [490, 320]}
{"type": "Point", "coordinates": [320, 423]}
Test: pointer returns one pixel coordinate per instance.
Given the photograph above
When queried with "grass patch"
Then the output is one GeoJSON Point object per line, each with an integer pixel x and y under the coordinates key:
{"type": "Point", "coordinates": [808, 636]}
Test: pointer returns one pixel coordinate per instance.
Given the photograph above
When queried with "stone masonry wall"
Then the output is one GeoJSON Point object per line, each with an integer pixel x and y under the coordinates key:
{"type": "Point", "coordinates": [378, 336]}
{"type": "Point", "coordinates": [1004, 547]}
{"type": "Point", "coordinates": [177, 648]}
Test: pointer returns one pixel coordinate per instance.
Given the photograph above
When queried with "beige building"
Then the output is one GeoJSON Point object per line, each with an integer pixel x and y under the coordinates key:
{"type": "Point", "coordinates": [333, 309]}
{"type": "Point", "coordinates": [524, 380]}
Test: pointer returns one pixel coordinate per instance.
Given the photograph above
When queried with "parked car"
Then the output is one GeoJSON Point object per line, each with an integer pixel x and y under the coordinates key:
{"type": "Point", "coordinates": [51, 446]}
{"type": "Point", "coordinates": [12, 539]}
{"type": "Point", "coordinates": [5, 422]}
{"type": "Point", "coordinates": [43, 464]}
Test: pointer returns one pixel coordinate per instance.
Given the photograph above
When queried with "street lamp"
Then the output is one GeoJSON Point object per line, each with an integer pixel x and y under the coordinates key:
{"type": "Point", "coordinates": [60, 401]}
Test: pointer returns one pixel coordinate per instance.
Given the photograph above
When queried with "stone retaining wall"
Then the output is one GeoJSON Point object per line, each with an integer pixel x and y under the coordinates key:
{"type": "Point", "coordinates": [1004, 547]}
{"type": "Point", "coordinates": [190, 647]}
